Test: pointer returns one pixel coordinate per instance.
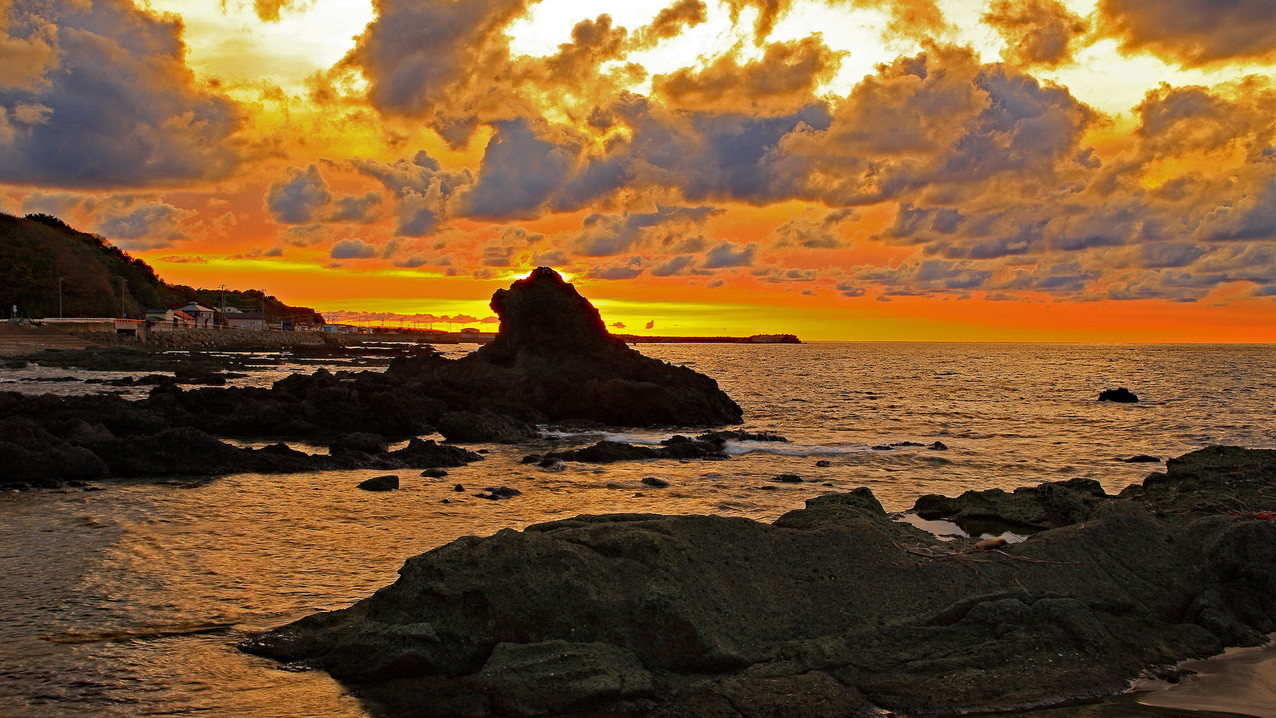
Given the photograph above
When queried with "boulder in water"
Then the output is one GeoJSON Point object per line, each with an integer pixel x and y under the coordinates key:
{"type": "Point", "coordinates": [389, 482]}
{"type": "Point", "coordinates": [1120, 395]}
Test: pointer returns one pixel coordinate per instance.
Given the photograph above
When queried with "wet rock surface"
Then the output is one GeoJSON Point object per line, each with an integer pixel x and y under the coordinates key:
{"type": "Point", "coordinates": [553, 360]}
{"type": "Point", "coordinates": [832, 610]}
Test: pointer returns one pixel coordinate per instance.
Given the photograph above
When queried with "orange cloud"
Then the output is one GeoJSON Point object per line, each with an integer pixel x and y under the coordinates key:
{"type": "Point", "coordinates": [1037, 32]}
{"type": "Point", "coordinates": [1193, 32]}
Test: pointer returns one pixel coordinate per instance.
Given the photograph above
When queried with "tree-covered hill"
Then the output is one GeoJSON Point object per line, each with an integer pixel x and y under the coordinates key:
{"type": "Point", "coordinates": [98, 278]}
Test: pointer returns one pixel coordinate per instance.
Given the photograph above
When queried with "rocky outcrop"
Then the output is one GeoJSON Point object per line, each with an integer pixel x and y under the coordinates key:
{"type": "Point", "coordinates": [1025, 510]}
{"type": "Point", "coordinates": [1119, 395]}
{"type": "Point", "coordinates": [553, 360]}
{"type": "Point", "coordinates": [832, 610]}
{"type": "Point", "coordinates": [73, 439]}
{"type": "Point", "coordinates": [607, 452]}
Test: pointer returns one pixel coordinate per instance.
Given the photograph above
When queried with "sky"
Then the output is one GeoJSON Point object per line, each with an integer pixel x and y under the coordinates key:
{"type": "Point", "coordinates": [1035, 170]}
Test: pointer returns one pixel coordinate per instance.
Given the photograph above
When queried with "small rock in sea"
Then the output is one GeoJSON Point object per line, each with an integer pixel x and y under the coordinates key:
{"type": "Point", "coordinates": [1141, 459]}
{"type": "Point", "coordinates": [938, 446]}
{"type": "Point", "coordinates": [483, 451]}
{"type": "Point", "coordinates": [446, 501]}
{"type": "Point", "coordinates": [434, 473]}
{"type": "Point", "coordinates": [458, 488]}
{"type": "Point", "coordinates": [1120, 395]}
{"type": "Point", "coordinates": [828, 483]}
{"type": "Point", "coordinates": [991, 544]}
{"type": "Point", "coordinates": [654, 482]}
{"type": "Point", "coordinates": [388, 482]}
{"type": "Point", "coordinates": [552, 464]}
{"type": "Point", "coordinates": [613, 485]}
{"type": "Point", "coordinates": [883, 447]}
{"type": "Point", "coordinates": [788, 479]}
{"type": "Point", "coordinates": [767, 488]}
{"type": "Point", "coordinates": [639, 495]}
{"type": "Point", "coordinates": [495, 493]}
{"type": "Point", "coordinates": [823, 462]}
{"type": "Point", "coordinates": [530, 459]}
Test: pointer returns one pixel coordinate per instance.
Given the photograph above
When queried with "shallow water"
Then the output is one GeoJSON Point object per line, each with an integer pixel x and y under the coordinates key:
{"type": "Point", "coordinates": [127, 601]}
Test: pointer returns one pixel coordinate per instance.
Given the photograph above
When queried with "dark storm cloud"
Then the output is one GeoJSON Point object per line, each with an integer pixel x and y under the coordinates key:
{"type": "Point", "coordinates": [423, 191]}
{"type": "Point", "coordinates": [608, 234]}
{"type": "Point", "coordinates": [145, 225]}
{"type": "Point", "coordinates": [353, 249]}
{"type": "Point", "coordinates": [119, 107]}
{"type": "Point", "coordinates": [520, 174]}
{"type": "Point", "coordinates": [730, 254]}
{"type": "Point", "coordinates": [680, 264]}
{"type": "Point", "coordinates": [620, 269]}
{"type": "Point", "coordinates": [304, 199]}
{"type": "Point", "coordinates": [299, 200]}
{"type": "Point", "coordinates": [415, 54]}
{"type": "Point", "coordinates": [1194, 32]}
{"type": "Point", "coordinates": [1251, 217]}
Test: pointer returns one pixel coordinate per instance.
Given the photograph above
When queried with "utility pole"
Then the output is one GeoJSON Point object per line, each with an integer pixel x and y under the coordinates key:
{"type": "Point", "coordinates": [123, 300]}
{"type": "Point", "coordinates": [60, 297]}
{"type": "Point", "coordinates": [223, 288]}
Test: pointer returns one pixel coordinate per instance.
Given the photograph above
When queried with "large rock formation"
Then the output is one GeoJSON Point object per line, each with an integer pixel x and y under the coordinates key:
{"type": "Point", "coordinates": [554, 360]}
{"type": "Point", "coordinates": [832, 610]}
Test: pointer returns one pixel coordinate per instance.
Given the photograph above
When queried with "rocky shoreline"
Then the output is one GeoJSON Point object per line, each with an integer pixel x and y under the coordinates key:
{"type": "Point", "coordinates": [553, 361]}
{"type": "Point", "coordinates": [831, 610]}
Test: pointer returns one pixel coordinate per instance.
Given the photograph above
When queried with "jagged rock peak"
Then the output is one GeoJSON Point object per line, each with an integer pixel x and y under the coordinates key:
{"type": "Point", "coordinates": [544, 311]}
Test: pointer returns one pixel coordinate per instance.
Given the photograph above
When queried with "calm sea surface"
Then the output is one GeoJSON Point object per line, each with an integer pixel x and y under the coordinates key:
{"type": "Point", "coordinates": [127, 601]}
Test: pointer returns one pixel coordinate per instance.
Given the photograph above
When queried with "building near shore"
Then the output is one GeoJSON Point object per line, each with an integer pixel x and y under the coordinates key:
{"type": "Point", "coordinates": [158, 320]}
{"type": "Point", "coordinates": [250, 321]}
{"type": "Point", "coordinates": [203, 317]}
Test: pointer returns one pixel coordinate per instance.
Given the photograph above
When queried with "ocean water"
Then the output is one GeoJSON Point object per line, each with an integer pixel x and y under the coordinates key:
{"type": "Point", "coordinates": [128, 600]}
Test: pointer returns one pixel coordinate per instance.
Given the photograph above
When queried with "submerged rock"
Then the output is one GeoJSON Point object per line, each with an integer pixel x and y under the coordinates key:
{"type": "Point", "coordinates": [832, 610]}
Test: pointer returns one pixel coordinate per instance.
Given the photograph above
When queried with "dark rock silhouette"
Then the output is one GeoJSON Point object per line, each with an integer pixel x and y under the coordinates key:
{"type": "Point", "coordinates": [1120, 395]}
{"type": "Point", "coordinates": [831, 610]}
{"type": "Point", "coordinates": [553, 360]}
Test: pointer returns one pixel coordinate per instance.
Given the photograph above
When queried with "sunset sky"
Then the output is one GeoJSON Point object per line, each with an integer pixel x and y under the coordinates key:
{"type": "Point", "coordinates": [1031, 170]}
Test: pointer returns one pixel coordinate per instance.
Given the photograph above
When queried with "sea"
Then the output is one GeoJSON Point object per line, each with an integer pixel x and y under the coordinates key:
{"type": "Point", "coordinates": [128, 599]}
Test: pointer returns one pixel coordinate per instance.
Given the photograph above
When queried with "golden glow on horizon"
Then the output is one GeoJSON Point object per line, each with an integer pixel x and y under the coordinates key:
{"type": "Point", "coordinates": [1108, 186]}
